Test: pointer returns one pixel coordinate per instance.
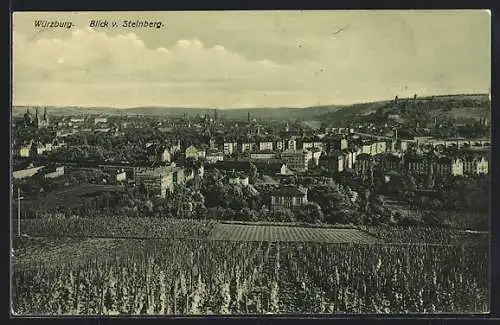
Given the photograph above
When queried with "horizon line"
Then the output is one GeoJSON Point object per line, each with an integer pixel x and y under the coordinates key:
{"type": "Point", "coordinates": [240, 108]}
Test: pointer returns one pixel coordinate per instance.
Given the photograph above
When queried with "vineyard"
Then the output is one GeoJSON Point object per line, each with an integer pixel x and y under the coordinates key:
{"type": "Point", "coordinates": [171, 276]}
{"type": "Point", "coordinates": [142, 228]}
{"type": "Point", "coordinates": [290, 234]}
{"type": "Point", "coordinates": [428, 235]}
{"type": "Point", "coordinates": [117, 227]}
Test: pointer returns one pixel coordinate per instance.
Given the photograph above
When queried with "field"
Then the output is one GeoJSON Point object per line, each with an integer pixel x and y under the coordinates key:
{"type": "Point", "coordinates": [201, 267]}
{"type": "Point", "coordinates": [154, 277]}
{"type": "Point", "coordinates": [71, 196]}
{"type": "Point", "coordinates": [116, 227]}
{"type": "Point", "coordinates": [289, 234]}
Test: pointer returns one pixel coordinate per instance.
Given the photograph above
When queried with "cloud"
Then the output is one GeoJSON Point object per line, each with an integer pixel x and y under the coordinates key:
{"type": "Point", "coordinates": [376, 58]}
{"type": "Point", "coordinates": [91, 56]}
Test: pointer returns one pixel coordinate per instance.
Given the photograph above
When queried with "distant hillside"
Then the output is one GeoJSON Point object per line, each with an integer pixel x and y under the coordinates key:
{"type": "Point", "coordinates": [239, 113]}
{"type": "Point", "coordinates": [456, 106]}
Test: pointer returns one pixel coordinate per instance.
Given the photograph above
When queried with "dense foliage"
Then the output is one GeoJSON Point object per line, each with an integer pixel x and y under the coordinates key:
{"type": "Point", "coordinates": [200, 277]}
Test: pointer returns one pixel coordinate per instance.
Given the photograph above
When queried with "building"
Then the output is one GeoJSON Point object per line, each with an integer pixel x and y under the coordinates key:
{"type": "Point", "coordinates": [288, 197]}
{"type": "Point", "coordinates": [42, 148]}
{"type": "Point", "coordinates": [335, 143]}
{"type": "Point", "coordinates": [37, 121]}
{"type": "Point", "coordinates": [194, 152]}
{"type": "Point", "coordinates": [98, 120]}
{"type": "Point", "coordinates": [349, 157]}
{"type": "Point", "coordinates": [418, 164]}
{"type": "Point", "coordinates": [43, 121]}
{"type": "Point", "coordinates": [332, 161]}
{"type": "Point", "coordinates": [28, 119]}
{"type": "Point", "coordinates": [55, 172]}
{"type": "Point", "coordinates": [297, 160]}
{"type": "Point", "coordinates": [263, 155]}
{"type": "Point", "coordinates": [213, 155]}
{"type": "Point", "coordinates": [379, 147]}
{"type": "Point", "coordinates": [387, 162]}
{"type": "Point", "coordinates": [366, 148]}
{"type": "Point", "coordinates": [316, 154]}
{"type": "Point", "coordinates": [25, 150]}
{"type": "Point", "coordinates": [364, 165]}
{"type": "Point", "coordinates": [159, 153]}
{"type": "Point", "coordinates": [158, 181]}
{"type": "Point", "coordinates": [279, 145]}
{"type": "Point", "coordinates": [174, 146]}
{"type": "Point", "coordinates": [373, 147]}
{"type": "Point", "coordinates": [457, 167]}
{"type": "Point", "coordinates": [271, 167]}
{"type": "Point", "coordinates": [482, 166]}
{"type": "Point", "coordinates": [264, 166]}
{"type": "Point", "coordinates": [475, 164]}
{"type": "Point", "coordinates": [341, 130]}
{"type": "Point", "coordinates": [238, 179]}
{"type": "Point", "coordinates": [230, 147]}
{"type": "Point", "coordinates": [120, 176]}
{"type": "Point", "coordinates": [212, 144]}
{"type": "Point", "coordinates": [179, 176]}
{"type": "Point", "coordinates": [445, 166]}
{"type": "Point", "coordinates": [188, 175]}
{"type": "Point", "coordinates": [25, 173]}
{"type": "Point", "coordinates": [76, 120]}
{"type": "Point", "coordinates": [266, 145]}
{"type": "Point", "coordinates": [57, 144]}
{"type": "Point", "coordinates": [291, 144]}
{"type": "Point", "coordinates": [403, 145]}
{"type": "Point", "coordinates": [233, 166]}
{"type": "Point", "coordinates": [310, 144]}
{"type": "Point", "coordinates": [247, 146]}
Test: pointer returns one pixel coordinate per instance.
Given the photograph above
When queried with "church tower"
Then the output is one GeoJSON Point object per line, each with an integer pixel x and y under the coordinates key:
{"type": "Point", "coordinates": [28, 119]}
{"type": "Point", "coordinates": [45, 122]}
{"type": "Point", "coordinates": [37, 118]}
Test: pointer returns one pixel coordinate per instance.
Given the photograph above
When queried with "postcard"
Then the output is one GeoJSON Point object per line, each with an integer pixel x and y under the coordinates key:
{"type": "Point", "coordinates": [250, 163]}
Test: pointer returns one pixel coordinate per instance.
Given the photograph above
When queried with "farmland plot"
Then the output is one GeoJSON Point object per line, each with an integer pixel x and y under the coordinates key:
{"type": "Point", "coordinates": [179, 277]}
{"type": "Point", "coordinates": [290, 234]}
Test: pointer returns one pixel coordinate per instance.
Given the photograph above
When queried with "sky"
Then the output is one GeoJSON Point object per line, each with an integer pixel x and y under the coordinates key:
{"type": "Point", "coordinates": [239, 59]}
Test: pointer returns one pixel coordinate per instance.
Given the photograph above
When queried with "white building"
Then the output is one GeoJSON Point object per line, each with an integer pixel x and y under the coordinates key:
{"type": "Point", "coordinates": [457, 167]}
{"type": "Point", "coordinates": [59, 171]}
{"type": "Point", "coordinates": [121, 176]}
{"type": "Point", "coordinates": [230, 148]}
{"type": "Point", "coordinates": [482, 166]}
{"type": "Point", "coordinates": [292, 144]}
{"type": "Point", "coordinates": [280, 145]}
{"type": "Point", "coordinates": [266, 145]}
{"type": "Point", "coordinates": [193, 152]}
{"type": "Point", "coordinates": [98, 120]}
{"type": "Point", "coordinates": [25, 173]}
{"type": "Point", "coordinates": [263, 155]}
{"type": "Point", "coordinates": [214, 156]}
{"type": "Point", "coordinates": [247, 147]}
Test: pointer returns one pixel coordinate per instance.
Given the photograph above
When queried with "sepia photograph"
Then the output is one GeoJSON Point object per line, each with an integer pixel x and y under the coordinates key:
{"type": "Point", "coordinates": [194, 163]}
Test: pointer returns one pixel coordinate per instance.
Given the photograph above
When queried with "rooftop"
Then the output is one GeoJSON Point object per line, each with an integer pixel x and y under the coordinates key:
{"type": "Point", "coordinates": [288, 191]}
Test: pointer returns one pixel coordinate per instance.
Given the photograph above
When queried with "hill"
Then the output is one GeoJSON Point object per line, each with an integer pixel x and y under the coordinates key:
{"type": "Point", "coordinates": [413, 110]}
{"type": "Point", "coordinates": [238, 113]}
{"type": "Point", "coordinates": [451, 106]}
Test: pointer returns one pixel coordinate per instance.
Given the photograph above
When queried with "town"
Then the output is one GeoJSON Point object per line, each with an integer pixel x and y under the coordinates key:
{"type": "Point", "coordinates": [383, 167]}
